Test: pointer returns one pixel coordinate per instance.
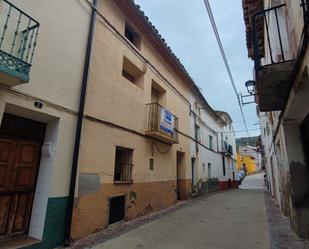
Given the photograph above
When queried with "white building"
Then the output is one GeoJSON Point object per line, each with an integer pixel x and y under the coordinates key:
{"type": "Point", "coordinates": [214, 150]}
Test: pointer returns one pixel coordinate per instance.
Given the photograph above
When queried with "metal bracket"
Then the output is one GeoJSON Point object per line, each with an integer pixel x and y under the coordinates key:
{"type": "Point", "coordinates": [244, 97]}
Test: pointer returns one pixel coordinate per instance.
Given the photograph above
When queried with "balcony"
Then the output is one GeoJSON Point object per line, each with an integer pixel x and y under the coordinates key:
{"type": "Point", "coordinates": [18, 40]}
{"type": "Point", "coordinates": [227, 149]}
{"type": "Point", "coordinates": [273, 76]}
{"type": "Point", "coordinates": [162, 124]}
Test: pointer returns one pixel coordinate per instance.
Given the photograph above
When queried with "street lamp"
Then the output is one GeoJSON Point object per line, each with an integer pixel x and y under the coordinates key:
{"type": "Point", "coordinates": [250, 85]}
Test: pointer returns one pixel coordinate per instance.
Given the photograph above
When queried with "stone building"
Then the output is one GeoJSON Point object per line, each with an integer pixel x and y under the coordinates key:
{"type": "Point", "coordinates": [277, 40]}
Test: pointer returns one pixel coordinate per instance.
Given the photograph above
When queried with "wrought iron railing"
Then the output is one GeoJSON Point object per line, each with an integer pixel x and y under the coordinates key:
{"type": "Point", "coordinates": [274, 46]}
{"type": "Point", "coordinates": [305, 6]}
{"type": "Point", "coordinates": [227, 148]}
{"type": "Point", "coordinates": [18, 40]}
{"type": "Point", "coordinates": [162, 121]}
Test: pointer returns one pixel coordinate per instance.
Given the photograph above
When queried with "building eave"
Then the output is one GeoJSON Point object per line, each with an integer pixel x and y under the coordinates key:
{"type": "Point", "coordinates": [250, 7]}
{"type": "Point", "coordinates": [149, 31]}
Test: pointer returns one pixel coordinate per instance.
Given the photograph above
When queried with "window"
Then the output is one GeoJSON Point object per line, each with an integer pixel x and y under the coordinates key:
{"type": "Point", "coordinates": [128, 76]}
{"type": "Point", "coordinates": [197, 133]}
{"type": "Point", "coordinates": [204, 170]}
{"type": "Point", "coordinates": [123, 164]}
{"type": "Point", "coordinates": [151, 164]}
{"type": "Point", "coordinates": [131, 72]}
{"type": "Point", "coordinates": [210, 142]}
{"type": "Point", "coordinates": [132, 36]}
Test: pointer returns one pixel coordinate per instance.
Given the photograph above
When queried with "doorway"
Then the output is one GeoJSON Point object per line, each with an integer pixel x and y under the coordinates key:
{"type": "Point", "coordinates": [20, 152]}
{"type": "Point", "coordinates": [179, 171]}
{"type": "Point", "coordinates": [116, 209]}
{"type": "Point", "coordinates": [305, 141]}
{"type": "Point", "coordinates": [193, 174]}
{"type": "Point", "coordinates": [273, 180]}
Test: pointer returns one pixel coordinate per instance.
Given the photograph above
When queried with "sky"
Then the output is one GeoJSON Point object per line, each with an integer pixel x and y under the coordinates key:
{"type": "Point", "coordinates": [186, 28]}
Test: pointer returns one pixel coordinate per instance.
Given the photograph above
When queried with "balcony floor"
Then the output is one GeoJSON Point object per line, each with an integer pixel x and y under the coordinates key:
{"type": "Point", "coordinates": [159, 136]}
{"type": "Point", "coordinates": [274, 82]}
{"type": "Point", "coordinates": [13, 71]}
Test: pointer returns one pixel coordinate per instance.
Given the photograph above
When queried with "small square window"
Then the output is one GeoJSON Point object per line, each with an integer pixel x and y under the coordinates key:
{"type": "Point", "coordinates": [131, 72]}
{"type": "Point", "coordinates": [132, 36]}
{"type": "Point", "coordinates": [128, 76]}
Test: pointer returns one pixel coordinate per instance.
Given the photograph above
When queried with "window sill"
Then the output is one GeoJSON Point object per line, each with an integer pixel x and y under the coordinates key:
{"type": "Point", "coordinates": [123, 182]}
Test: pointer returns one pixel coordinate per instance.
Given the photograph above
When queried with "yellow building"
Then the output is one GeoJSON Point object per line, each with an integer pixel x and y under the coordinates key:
{"type": "Point", "coordinates": [246, 162]}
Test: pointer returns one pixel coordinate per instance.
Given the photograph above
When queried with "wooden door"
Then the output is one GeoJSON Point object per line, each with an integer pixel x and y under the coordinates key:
{"type": "Point", "coordinates": [193, 174]}
{"type": "Point", "coordinates": [180, 188]}
{"type": "Point", "coordinates": [19, 160]}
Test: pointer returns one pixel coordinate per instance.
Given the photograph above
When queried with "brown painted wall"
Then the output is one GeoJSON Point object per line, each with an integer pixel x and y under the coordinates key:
{"type": "Point", "coordinates": [224, 185]}
{"type": "Point", "coordinates": [184, 187]}
{"type": "Point", "coordinates": [91, 212]}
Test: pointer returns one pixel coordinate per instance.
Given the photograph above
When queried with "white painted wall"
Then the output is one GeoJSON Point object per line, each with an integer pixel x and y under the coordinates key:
{"type": "Point", "coordinates": [210, 125]}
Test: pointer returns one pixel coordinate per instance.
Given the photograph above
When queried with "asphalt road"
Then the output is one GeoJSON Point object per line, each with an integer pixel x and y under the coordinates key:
{"type": "Point", "coordinates": [233, 219]}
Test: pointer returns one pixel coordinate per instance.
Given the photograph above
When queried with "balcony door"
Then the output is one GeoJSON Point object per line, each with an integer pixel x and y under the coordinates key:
{"type": "Point", "coordinates": [180, 168]}
{"type": "Point", "coordinates": [193, 173]}
{"type": "Point", "coordinates": [154, 95]}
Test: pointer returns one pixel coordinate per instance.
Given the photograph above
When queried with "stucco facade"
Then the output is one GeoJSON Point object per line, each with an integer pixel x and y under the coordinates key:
{"type": "Point", "coordinates": [284, 112]}
{"type": "Point", "coordinates": [117, 117]}
{"type": "Point", "coordinates": [138, 144]}
{"type": "Point", "coordinates": [213, 148]}
{"type": "Point", "coordinates": [51, 97]}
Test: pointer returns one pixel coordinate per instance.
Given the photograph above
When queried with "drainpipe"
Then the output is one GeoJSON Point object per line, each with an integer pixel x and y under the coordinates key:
{"type": "Point", "coordinates": [69, 213]}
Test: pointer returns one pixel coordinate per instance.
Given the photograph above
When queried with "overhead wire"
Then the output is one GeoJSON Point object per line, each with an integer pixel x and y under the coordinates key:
{"type": "Point", "coordinates": [216, 32]}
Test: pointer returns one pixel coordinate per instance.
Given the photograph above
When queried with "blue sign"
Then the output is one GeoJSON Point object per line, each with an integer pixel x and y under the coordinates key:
{"type": "Point", "coordinates": [167, 121]}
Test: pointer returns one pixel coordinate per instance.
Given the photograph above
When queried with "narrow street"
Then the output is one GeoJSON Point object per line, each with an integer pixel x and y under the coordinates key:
{"type": "Point", "coordinates": [247, 218]}
{"type": "Point", "coordinates": [131, 124]}
{"type": "Point", "coordinates": [231, 219]}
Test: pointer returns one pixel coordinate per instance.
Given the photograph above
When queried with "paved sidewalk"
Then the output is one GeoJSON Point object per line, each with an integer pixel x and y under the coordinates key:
{"type": "Point", "coordinates": [233, 219]}
{"type": "Point", "coordinates": [255, 181]}
{"type": "Point", "coordinates": [246, 218]}
{"type": "Point", "coordinates": [120, 228]}
{"type": "Point", "coordinates": [281, 234]}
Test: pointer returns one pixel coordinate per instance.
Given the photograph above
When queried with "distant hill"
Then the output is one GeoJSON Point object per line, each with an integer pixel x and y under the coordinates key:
{"type": "Point", "coordinates": [252, 141]}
